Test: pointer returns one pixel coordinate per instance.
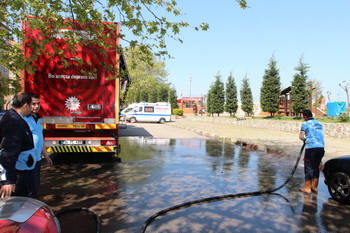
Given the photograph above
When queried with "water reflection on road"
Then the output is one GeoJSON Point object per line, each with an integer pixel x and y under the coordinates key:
{"type": "Point", "coordinates": [159, 173]}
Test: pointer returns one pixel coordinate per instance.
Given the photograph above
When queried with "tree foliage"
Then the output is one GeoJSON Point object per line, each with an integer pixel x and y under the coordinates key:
{"type": "Point", "coordinates": [173, 98]}
{"type": "Point", "coordinates": [246, 97]}
{"type": "Point", "coordinates": [299, 92]}
{"type": "Point", "coordinates": [152, 96]}
{"type": "Point", "coordinates": [209, 101]}
{"type": "Point", "coordinates": [8, 86]}
{"type": "Point", "coordinates": [138, 17]}
{"type": "Point", "coordinates": [231, 105]}
{"type": "Point", "coordinates": [346, 87]}
{"type": "Point", "coordinates": [271, 88]}
{"type": "Point", "coordinates": [163, 92]}
{"type": "Point", "coordinates": [148, 75]}
{"type": "Point", "coordinates": [217, 96]}
{"type": "Point", "coordinates": [316, 87]}
{"type": "Point", "coordinates": [147, 23]}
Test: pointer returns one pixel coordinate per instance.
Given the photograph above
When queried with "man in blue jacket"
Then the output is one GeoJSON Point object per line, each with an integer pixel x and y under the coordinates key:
{"type": "Point", "coordinates": [35, 124]}
{"type": "Point", "coordinates": [16, 148]}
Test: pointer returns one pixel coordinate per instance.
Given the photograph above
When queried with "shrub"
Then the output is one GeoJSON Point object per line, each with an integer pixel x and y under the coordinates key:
{"type": "Point", "coordinates": [178, 112]}
{"type": "Point", "coordinates": [278, 116]}
{"type": "Point", "coordinates": [343, 118]}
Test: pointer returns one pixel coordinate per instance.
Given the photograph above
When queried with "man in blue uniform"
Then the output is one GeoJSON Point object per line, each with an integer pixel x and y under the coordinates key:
{"type": "Point", "coordinates": [16, 148]}
{"type": "Point", "coordinates": [312, 134]}
{"type": "Point", "coordinates": [35, 124]}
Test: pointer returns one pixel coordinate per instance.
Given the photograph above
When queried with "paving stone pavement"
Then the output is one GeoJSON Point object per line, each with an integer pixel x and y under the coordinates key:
{"type": "Point", "coordinates": [261, 139]}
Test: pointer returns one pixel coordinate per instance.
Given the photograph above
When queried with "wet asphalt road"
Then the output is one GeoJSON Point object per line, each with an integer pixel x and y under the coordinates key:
{"type": "Point", "coordinates": [158, 172]}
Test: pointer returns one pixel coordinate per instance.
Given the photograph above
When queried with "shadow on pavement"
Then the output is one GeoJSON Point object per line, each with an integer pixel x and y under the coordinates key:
{"type": "Point", "coordinates": [133, 130]}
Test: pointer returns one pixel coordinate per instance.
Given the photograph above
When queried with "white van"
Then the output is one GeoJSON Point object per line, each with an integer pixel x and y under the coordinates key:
{"type": "Point", "coordinates": [147, 112]}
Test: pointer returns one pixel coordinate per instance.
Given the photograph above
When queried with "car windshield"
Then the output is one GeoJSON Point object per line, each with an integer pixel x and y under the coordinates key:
{"type": "Point", "coordinates": [128, 110]}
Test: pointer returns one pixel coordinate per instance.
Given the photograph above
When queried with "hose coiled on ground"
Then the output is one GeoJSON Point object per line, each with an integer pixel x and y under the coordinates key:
{"type": "Point", "coordinates": [88, 211]}
{"type": "Point", "coordinates": [219, 198]}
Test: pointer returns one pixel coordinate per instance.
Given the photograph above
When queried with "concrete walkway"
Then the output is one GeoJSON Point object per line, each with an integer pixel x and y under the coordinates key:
{"type": "Point", "coordinates": [261, 139]}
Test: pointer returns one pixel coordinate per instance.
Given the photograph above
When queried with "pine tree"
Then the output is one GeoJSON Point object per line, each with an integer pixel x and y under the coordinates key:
{"type": "Point", "coordinates": [246, 97]}
{"type": "Point", "coordinates": [209, 101]}
{"type": "Point", "coordinates": [147, 73]}
{"type": "Point", "coordinates": [162, 93]}
{"type": "Point", "coordinates": [231, 105]}
{"type": "Point", "coordinates": [299, 92]}
{"type": "Point", "coordinates": [218, 95]}
{"type": "Point", "coordinates": [270, 89]}
{"type": "Point", "coordinates": [173, 98]}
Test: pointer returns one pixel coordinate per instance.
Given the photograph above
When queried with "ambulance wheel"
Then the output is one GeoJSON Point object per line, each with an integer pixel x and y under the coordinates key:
{"type": "Point", "coordinates": [162, 121]}
{"type": "Point", "coordinates": [132, 120]}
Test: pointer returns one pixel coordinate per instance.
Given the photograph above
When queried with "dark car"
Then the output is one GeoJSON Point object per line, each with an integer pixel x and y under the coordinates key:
{"type": "Point", "coordinates": [337, 178]}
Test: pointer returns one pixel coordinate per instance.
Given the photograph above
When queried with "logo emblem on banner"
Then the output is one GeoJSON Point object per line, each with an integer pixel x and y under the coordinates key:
{"type": "Point", "coordinates": [72, 103]}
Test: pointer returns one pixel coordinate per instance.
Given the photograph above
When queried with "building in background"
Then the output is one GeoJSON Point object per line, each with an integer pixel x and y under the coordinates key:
{"type": "Point", "coordinates": [4, 100]}
{"type": "Point", "coordinates": [4, 74]}
{"type": "Point", "coordinates": [286, 105]}
{"type": "Point", "coordinates": [192, 104]}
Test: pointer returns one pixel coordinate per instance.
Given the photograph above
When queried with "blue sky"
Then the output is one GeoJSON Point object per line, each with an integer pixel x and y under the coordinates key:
{"type": "Point", "coordinates": [243, 41]}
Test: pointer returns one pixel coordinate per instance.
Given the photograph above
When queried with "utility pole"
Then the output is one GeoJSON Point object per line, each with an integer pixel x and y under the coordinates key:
{"type": "Point", "coordinates": [310, 101]}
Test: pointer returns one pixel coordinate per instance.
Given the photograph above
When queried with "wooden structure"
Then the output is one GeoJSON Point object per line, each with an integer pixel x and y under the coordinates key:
{"type": "Point", "coordinates": [286, 105]}
{"type": "Point", "coordinates": [191, 104]}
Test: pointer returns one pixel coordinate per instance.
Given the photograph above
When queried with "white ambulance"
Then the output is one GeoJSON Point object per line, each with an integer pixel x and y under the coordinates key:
{"type": "Point", "coordinates": [147, 112]}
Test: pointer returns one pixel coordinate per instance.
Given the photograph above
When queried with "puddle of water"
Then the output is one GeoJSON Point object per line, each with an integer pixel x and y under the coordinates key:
{"type": "Point", "coordinates": [158, 173]}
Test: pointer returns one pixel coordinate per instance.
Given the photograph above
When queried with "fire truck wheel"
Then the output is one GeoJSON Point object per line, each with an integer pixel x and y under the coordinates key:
{"type": "Point", "coordinates": [132, 120]}
{"type": "Point", "coordinates": [117, 159]}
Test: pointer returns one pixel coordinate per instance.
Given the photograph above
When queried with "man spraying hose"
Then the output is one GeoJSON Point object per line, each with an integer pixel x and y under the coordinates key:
{"type": "Point", "coordinates": [312, 134]}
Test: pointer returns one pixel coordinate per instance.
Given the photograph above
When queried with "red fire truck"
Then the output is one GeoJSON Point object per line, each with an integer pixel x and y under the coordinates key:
{"type": "Point", "coordinates": [79, 93]}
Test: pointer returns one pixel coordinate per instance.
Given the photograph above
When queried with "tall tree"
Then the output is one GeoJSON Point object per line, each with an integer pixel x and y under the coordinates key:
{"type": "Point", "coordinates": [329, 95]}
{"type": "Point", "coordinates": [316, 92]}
{"type": "Point", "coordinates": [210, 110]}
{"type": "Point", "coordinates": [173, 98]}
{"type": "Point", "coordinates": [271, 88]}
{"type": "Point", "coordinates": [299, 92]}
{"type": "Point", "coordinates": [218, 95]}
{"type": "Point", "coordinates": [247, 104]}
{"type": "Point", "coordinates": [346, 87]}
{"type": "Point", "coordinates": [142, 96]}
{"type": "Point", "coordinates": [163, 93]}
{"type": "Point", "coordinates": [231, 105]}
{"type": "Point", "coordinates": [147, 74]}
{"type": "Point", "coordinates": [138, 17]}
{"type": "Point", "coordinates": [152, 96]}
{"type": "Point", "coordinates": [148, 29]}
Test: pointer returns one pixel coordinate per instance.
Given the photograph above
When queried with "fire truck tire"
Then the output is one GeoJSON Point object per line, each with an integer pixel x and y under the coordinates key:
{"type": "Point", "coordinates": [117, 159]}
{"type": "Point", "coordinates": [162, 121]}
{"type": "Point", "coordinates": [132, 120]}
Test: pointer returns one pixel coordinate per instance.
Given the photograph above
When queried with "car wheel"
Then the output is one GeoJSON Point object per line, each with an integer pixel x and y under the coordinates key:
{"type": "Point", "coordinates": [339, 187]}
{"type": "Point", "coordinates": [162, 120]}
{"type": "Point", "coordinates": [132, 120]}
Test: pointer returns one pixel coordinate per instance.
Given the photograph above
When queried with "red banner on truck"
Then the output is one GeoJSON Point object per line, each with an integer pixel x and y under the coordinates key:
{"type": "Point", "coordinates": [78, 83]}
{"type": "Point", "coordinates": [73, 83]}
